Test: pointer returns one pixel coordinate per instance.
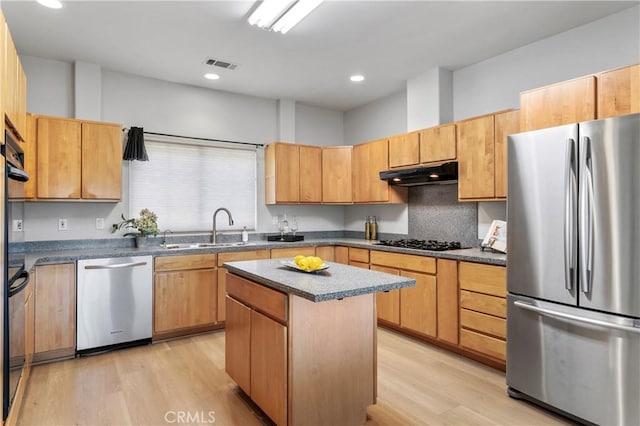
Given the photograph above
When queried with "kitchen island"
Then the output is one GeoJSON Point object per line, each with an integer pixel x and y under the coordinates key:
{"type": "Point", "coordinates": [302, 345]}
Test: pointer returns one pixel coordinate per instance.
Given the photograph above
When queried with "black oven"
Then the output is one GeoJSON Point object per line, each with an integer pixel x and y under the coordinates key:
{"type": "Point", "coordinates": [16, 276]}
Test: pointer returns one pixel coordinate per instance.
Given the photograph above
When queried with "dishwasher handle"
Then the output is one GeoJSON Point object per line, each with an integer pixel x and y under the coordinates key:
{"type": "Point", "coordinates": [116, 266]}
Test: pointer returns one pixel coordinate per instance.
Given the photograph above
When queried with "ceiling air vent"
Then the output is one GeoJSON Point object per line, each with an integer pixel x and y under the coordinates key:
{"type": "Point", "coordinates": [219, 63]}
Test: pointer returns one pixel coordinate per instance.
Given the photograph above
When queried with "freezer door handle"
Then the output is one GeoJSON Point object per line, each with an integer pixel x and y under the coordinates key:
{"type": "Point", "coordinates": [586, 216]}
{"type": "Point", "coordinates": [576, 318]}
{"type": "Point", "coordinates": [570, 210]}
{"type": "Point", "coordinates": [116, 266]}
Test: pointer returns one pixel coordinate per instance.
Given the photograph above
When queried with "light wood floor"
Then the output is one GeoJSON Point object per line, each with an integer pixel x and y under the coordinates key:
{"type": "Point", "coordinates": [417, 385]}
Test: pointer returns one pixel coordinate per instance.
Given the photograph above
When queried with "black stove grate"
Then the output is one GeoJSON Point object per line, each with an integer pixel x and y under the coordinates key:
{"type": "Point", "coordinates": [433, 245]}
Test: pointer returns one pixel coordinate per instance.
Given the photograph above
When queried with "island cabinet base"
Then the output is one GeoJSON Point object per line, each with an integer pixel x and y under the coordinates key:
{"type": "Point", "coordinates": [311, 363]}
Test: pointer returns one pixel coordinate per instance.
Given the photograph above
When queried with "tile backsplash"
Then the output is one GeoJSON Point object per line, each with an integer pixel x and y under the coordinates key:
{"type": "Point", "coordinates": [436, 214]}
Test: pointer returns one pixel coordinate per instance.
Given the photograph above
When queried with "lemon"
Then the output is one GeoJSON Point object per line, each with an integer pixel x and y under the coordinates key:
{"type": "Point", "coordinates": [298, 258]}
{"type": "Point", "coordinates": [303, 263]}
{"type": "Point", "coordinates": [315, 262]}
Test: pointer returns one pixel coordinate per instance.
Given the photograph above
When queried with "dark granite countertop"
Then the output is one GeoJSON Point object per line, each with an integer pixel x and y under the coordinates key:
{"type": "Point", "coordinates": [336, 282]}
{"type": "Point", "coordinates": [72, 255]}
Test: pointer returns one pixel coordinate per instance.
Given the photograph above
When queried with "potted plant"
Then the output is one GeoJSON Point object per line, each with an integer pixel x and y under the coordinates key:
{"type": "Point", "coordinates": [144, 226]}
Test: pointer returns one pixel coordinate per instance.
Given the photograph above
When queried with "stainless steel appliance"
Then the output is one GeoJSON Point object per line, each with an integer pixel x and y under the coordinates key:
{"type": "Point", "coordinates": [438, 173]}
{"type": "Point", "coordinates": [573, 270]}
{"type": "Point", "coordinates": [115, 298]}
{"type": "Point", "coordinates": [15, 277]}
{"type": "Point", "coordinates": [432, 245]}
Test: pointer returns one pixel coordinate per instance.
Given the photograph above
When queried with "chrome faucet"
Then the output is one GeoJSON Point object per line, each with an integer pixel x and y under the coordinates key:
{"type": "Point", "coordinates": [213, 234]}
{"type": "Point", "coordinates": [164, 237]}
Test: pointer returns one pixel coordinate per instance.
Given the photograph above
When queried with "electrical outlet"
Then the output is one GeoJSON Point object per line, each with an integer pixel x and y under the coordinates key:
{"type": "Point", "coordinates": [62, 225]}
{"type": "Point", "coordinates": [17, 225]}
{"type": "Point", "coordinates": [99, 222]}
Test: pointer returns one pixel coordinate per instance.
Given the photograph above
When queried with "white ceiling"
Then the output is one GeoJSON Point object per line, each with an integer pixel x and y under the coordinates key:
{"type": "Point", "coordinates": [387, 41]}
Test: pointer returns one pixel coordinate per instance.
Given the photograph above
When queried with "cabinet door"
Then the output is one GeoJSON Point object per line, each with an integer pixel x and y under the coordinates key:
{"type": "Point", "coordinates": [10, 78]}
{"type": "Point", "coordinates": [3, 76]}
{"type": "Point", "coordinates": [326, 253]}
{"type": "Point", "coordinates": [418, 304]}
{"type": "Point", "coordinates": [438, 143]}
{"type": "Point", "coordinates": [292, 252]}
{"type": "Point", "coordinates": [568, 102]}
{"type": "Point", "coordinates": [447, 290]}
{"type": "Point", "coordinates": [506, 123]}
{"type": "Point", "coordinates": [30, 152]}
{"type": "Point", "coordinates": [101, 161]}
{"type": "Point", "coordinates": [29, 332]}
{"type": "Point", "coordinates": [619, 92]}
{"type": "Point", "coordinates": [269, 366]}
{"type": "Point", "coordinates": [369, 159]}
{"type": "Point", "coordinates": [58, 160]}
{"type": "Point", "coordinates": [336, 175]}
{"type": "Point", "coordinates": [404, 150]}
{"type": "Point", "coordinates": [237, 339]}
{"type": "Point", "coordinates": [184, 299]}
{"type": "Point", "coordinates": [222, 272]}
{"type": "Point", "coordinates": [55, 309]}
{"type": "Point", "coordinates": [282, 173]}
{"type": "Point", "coordinates": [388, 303]}
{"type": "Point", "coordinates": [476, 158]}
{"type": "Point", "coordinates": [21, 100]}
{"type": "Point", "coordinates": [342, 255]}
{"type": "Point", "coordinates": [310, 174]}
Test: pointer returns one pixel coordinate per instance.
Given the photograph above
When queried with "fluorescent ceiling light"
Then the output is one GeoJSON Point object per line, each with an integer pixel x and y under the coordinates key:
{"type": "Point", "coordinates": [52, 4]}
{"type": "Point", "coordinates": [281, 15]}
{"type": "Point", "coordinates": [212, 76]}
{"type": "Point", "coordinates": [357, 78]}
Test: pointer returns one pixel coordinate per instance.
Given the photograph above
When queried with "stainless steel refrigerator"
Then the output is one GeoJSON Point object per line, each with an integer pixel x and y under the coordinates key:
{"type": "Point", "coordinates": [573, 269]}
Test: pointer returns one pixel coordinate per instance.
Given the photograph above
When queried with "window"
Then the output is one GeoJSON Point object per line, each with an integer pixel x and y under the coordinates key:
{"type": "Point", "coordinates": [184, 183]}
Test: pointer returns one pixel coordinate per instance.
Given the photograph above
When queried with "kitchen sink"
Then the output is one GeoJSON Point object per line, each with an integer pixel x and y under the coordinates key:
{"type": "Point", "coordinates": [203, 245]}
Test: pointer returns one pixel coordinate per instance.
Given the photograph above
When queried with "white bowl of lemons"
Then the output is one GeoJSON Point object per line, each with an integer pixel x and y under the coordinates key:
{"type": "Point", "coordinates": [306, 263]}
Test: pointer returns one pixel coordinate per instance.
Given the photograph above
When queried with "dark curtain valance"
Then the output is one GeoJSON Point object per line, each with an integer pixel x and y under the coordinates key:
{"type": "Point", "coordinates": [135, 149]}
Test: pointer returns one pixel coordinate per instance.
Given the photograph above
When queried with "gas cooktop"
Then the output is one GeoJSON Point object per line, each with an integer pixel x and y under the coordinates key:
{"type": "Point", "coordinates": [433, 245]}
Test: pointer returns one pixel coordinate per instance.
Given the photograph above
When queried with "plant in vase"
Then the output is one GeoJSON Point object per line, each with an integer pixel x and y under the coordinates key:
{"type": "Point", "coordinates": [145, 226]}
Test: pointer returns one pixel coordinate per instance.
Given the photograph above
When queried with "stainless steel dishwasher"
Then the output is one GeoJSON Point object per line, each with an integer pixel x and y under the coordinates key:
{"type": "Point", "coordinates": [115, 302]}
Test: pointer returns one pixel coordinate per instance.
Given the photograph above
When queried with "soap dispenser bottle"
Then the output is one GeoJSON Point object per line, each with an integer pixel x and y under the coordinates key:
{"type": "Point", "coordinates": [373, 229]}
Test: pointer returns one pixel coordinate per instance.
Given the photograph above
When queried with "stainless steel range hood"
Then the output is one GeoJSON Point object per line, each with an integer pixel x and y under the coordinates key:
{"type": "Point", "coordinates": [429, 174]}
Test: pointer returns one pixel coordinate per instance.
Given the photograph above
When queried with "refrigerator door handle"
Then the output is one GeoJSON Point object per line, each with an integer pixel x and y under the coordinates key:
{"type": "Point", "coordinates": [576, 318]}
{"type": "Point", "coordinates": [586, 216]}
{"type": "Point", "coordinates": [570, 209]}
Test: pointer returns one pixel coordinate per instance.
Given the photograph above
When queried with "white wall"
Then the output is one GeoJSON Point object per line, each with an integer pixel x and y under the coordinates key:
{"type": "Point", "coordinates": [384, 117]}
{"type": "Point", "coordinates": [49, 86]}
{"type": "Point", "coordinates": [165, 107]}
{"type": "Point", "coordinates": [318, 126]}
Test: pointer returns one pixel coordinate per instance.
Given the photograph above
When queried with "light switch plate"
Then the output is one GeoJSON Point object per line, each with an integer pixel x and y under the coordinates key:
{"type": "Point", "coordinates": [62, 224]}
{"type": "Point", "coordinates": [17, 225]}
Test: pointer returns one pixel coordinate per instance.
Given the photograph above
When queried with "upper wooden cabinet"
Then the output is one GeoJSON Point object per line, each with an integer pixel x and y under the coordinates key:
{"type": "Point", "coordinates": [369, 159]}
{"type": "Point", "coordinates": [2, 74]}
{"type": "Point", "coordinates": [482, 155]}
{"type": "Point", "coordinates": [404, 150]}
{"type": "Point", "coordinates": [438, 143]}
{"type": "Point", "coordinates": [562, 103]}
{"type": "Point", "coordinates": [30, 152]}
{"type": "Point", "coordinates": [78, 159]}
{"type": "Point", "coordinates": [336, 175]}
{"type": "Point", "coordinates": [14, 84]}
{"type": "Point", "coordinates": [59, 152]}
{"type": "Point", "coordinates": [293, 174]}
{"type": "Point", "coordinates": [619, 91]}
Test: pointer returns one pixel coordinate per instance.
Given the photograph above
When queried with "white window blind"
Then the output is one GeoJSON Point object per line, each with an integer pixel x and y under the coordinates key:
{"type": "Point", "coordinates": [184, 183]}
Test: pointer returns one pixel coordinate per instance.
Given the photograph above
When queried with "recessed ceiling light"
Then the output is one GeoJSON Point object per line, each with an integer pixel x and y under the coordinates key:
{"type": "Point", "coordinates": [212, 76]}
{"type": "Point", "coordinates": [357, 78]}
{"type": "Point", "coordinates": [53, 4]}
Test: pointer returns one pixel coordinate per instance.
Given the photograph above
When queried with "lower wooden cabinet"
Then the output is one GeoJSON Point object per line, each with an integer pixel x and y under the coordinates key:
{"type": "Point", "coordinates": [237, 341]}
{"type": "Point", "coordinates": [292, 252]}
{"type": "Point", "coordinates": [388, 302]}
{"type": "Point", "coordinates": [55, 311]}
{"type": "Point", "coordinates": [185, 295]}
{"type": "Point", "coordinates": [222, 272]}
{"type": "Point", "coordinates": [447, 294]}
{"type": "Point", "coordinates": [483, 324]}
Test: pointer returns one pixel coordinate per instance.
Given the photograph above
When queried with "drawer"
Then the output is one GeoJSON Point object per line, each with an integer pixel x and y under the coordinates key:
{"type": "Point", "coordinates": [359, 255]}
{"type": "Point", "coordinates": [259, 297]}
{"type": "Point", "coordinates": [292, 252]}
{"type": "Point", "coordinates": [404, 261]}
{"type": "Point", "coordinates": [189, 261]}
{"type": "Point", "coordinates": [492, 305]}
{"type": "Point", "coordinates": [487, 279]}
{"type": "Point", "coordinates": [233, 256]}
{"type": "Point", "coordinates": [496, 348]}
{"type": "Point", "coordinates": [359, 264]}
{"type": "Point", "coordinates": [484, 323]}
{"type": "Point", "coordinates": [325, 253]}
